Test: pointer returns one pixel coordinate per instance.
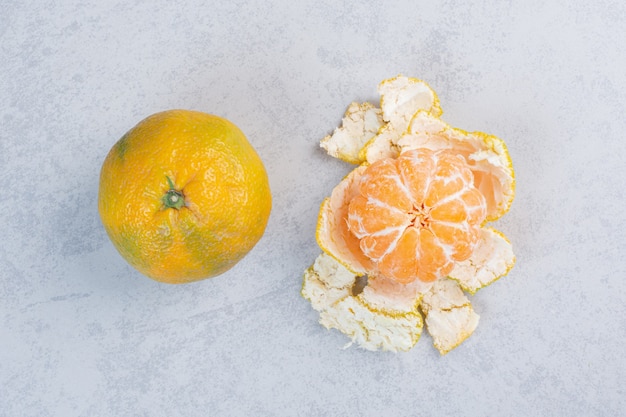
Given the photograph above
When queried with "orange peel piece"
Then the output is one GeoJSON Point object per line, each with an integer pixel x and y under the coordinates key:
{"type": "Point", "coordinates": [360, 123]}
{"type": "Point", "coordinates": [492, 258]}
{"type": "Point", "coordinates": [450, 317]}
{"type": "Point", "coordinates": [400, 98]}
{"type": "Point", "coordinates": [332, 232]}
{"type": "Point", "coordinates": [326, 282]}
{"type": "Point", "coordinates": [384, 316]}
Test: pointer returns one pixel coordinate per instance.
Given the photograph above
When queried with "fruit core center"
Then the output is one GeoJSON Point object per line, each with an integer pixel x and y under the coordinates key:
{"type": "Point", "coordinates": [420, 216]}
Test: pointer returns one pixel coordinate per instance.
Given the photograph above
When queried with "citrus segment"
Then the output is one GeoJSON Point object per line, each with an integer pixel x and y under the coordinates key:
{"type": "Point", "coordinates": [379, 219]}
{"type": "Point", "coordinates": [415, 171]}
{"type": "Point", "coordinates": [377, 245]}
{"type": "Point", "coordinates": [381, 184]}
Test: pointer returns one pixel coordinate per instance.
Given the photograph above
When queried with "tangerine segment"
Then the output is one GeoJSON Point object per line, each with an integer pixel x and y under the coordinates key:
{"type": "Point", "coordinates": [402, 261]}
{"type": "Point", "coordinates": [387, 189]}
{"type": "Point", "coordinates": [388, 217]}
{"type": "Point", "coordinates": [377, 245]}
{"type": "Point", "coordinates": [416, 215]}
{"type": "Point", "coordinates": [454, 235]}
{"type": "Point", "coordinates": [415, 174]}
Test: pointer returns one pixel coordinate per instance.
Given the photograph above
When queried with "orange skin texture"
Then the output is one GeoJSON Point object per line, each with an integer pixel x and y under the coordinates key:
{"type": "Point", "coordinates": [209, 162]}
{"type": "Point", "coordinates": [416, 215]}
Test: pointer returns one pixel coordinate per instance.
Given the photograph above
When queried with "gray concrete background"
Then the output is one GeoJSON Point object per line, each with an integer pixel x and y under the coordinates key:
{"type": "Point", "coordinates": [83, 334]}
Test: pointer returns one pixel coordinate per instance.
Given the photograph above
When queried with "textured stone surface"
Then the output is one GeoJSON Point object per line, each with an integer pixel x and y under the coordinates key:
{"type": "Point", "coordinates": [82, 334]}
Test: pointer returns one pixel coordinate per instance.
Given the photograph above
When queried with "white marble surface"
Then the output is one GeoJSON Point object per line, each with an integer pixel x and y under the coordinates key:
{"type": "Point", "coordinates": [83, 334]}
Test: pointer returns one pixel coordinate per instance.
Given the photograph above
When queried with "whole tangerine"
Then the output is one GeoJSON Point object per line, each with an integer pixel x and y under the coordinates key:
{"type": "Point", "coordinates": [184, 196]}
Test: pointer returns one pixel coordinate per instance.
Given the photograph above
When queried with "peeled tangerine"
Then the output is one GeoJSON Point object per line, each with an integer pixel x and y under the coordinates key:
{"type": "Point", "coordinates": [403, 235]}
